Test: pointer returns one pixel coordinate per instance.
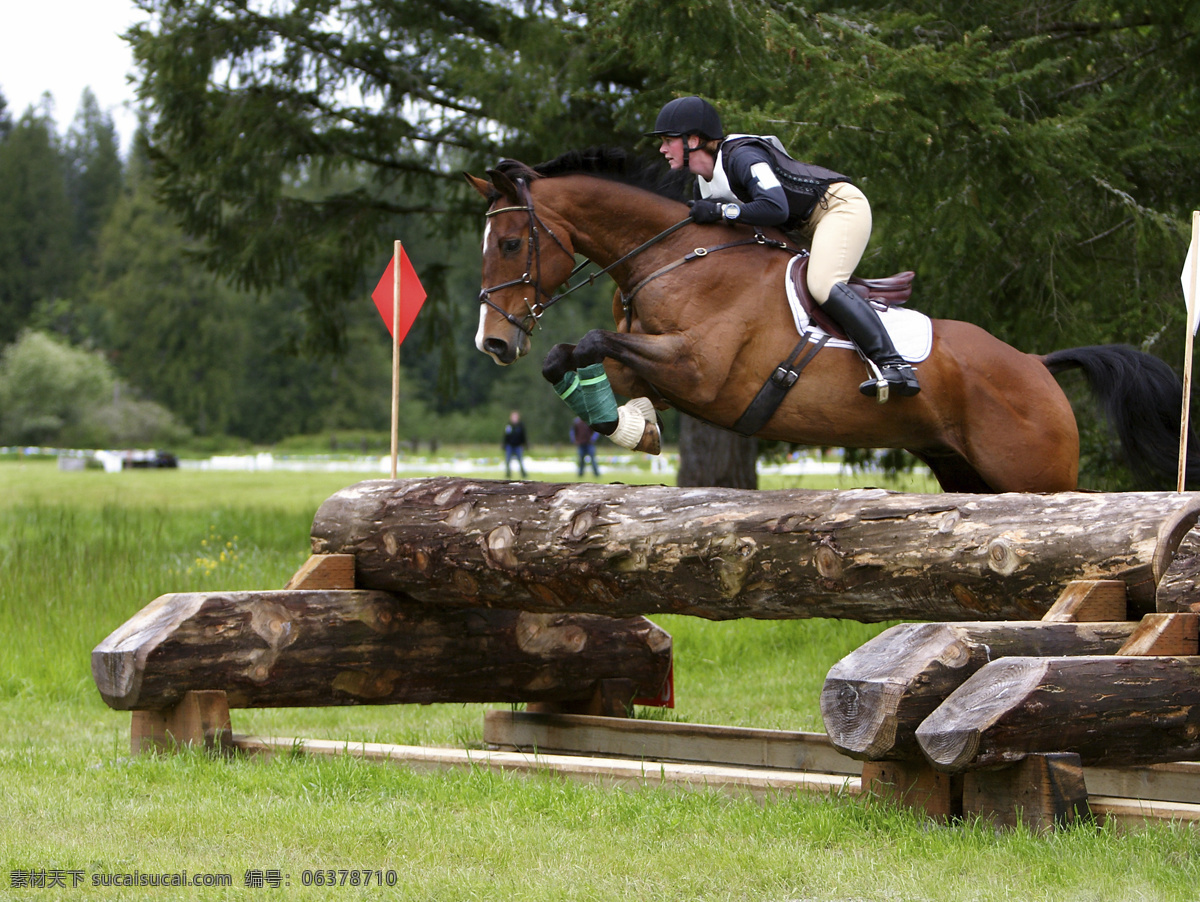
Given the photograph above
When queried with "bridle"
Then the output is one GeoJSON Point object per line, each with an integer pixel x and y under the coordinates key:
{"type": "Point", "coordinates": [533, 265]}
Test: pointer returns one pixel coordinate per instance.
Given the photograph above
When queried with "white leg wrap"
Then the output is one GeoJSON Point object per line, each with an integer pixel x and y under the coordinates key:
{"type": "Point", "coordinates": [646, 407]}
{"type": "Point", "coordinates": [631, 423]}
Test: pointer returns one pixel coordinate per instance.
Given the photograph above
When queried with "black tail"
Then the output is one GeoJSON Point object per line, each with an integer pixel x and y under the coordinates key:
{"type": "Point", "coordinates": [1141, 398]}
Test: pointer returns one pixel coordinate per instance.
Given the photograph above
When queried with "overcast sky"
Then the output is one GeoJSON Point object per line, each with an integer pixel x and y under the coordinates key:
{"type": "Point", "coordinates": [64, 46]}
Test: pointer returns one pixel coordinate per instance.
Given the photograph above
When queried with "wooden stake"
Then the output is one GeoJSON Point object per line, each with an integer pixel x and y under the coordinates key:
{"type": "Point", "coordinates": [396, 254]}
{"type": "Point", "coordinates": [1089, 601]}
{"type": "Point", "coordinates": [1189, 293]}
{"type": "Point", "coordinates": [324, 571]}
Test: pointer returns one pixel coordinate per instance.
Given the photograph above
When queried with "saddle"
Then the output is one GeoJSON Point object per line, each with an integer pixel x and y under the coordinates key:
{"type": "Point", "coordinates": [891, 291]}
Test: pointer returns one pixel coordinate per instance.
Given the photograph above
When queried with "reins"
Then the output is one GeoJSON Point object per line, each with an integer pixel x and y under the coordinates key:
{"type": "Point", "coordinates": [697, 254]}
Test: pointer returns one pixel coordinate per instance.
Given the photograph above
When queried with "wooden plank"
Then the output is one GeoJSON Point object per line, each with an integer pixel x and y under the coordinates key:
{"type": "Point", "coordinates": [759, 782]}
{"type": "Point", "coordinates": [1175, 782]}
{"type": "Point", "coordinates": [1093, 600]}
{"type": "Point", "coordinates": [324, 571]}
{"type": "Point", "coordinates": [201, 718]}
{"type": "Point", "coordinates": [1041, 791]}
{"type": "Point", "coordinates": [665, 741]}
{"type": "Point", "coordinates": [1165, 634]}
{"type": "Point", "coordinates": [352, 647]}
{"type": "Point", "coordinates": [617, 772]}
{"type": "Point", "coordinates": [1133, 811]}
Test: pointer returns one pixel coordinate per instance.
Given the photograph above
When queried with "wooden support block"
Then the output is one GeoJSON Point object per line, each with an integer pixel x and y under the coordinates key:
{"type": "Point", "coordinates": [1164, 634]}
{"type": "Point", "coordinates": [916, 786]}
{"type": "Point", "coordinates": [1089, 601]}
{"type": "Point", "coordinates": [1042, 792]}
{"type": "Point", "coordinates": [612, 698]}
{"type": "Point", "coordinates": [324, 571]}
{"type": "Point", "coordinates": [200, 718]}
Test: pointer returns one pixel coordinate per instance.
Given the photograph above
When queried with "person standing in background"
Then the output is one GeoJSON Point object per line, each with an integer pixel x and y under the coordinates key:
{"type": "Point", "coordinates": [514, 445]}
{"type": "Point", "coordinates": [585, 443]}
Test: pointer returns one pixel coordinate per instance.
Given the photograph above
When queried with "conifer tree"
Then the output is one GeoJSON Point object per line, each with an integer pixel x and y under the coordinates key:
{"type": "Point", "coordinates": [94, 171]}
{"type": "Point", "coordinates": [36, 225]}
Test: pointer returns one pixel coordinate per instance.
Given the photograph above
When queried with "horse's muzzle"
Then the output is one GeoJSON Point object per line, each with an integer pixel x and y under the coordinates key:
{"type": "Point", "coordinates": [502, 351]}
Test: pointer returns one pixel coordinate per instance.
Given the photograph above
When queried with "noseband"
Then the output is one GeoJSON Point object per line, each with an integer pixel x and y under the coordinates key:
{"type": "Point", "coordinates": [533, 265]}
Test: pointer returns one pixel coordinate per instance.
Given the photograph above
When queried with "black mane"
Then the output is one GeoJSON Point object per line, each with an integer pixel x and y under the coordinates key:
{"type": "Point", "coordinates": [608, 163]}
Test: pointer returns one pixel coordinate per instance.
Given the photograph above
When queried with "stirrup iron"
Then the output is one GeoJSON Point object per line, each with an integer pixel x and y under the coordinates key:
{"type": "Point", "coordinates": [882, 388]}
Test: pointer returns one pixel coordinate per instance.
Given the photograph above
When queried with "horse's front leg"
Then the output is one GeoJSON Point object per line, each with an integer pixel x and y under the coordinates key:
{"type": "Point", "coordinates": [578, 375]}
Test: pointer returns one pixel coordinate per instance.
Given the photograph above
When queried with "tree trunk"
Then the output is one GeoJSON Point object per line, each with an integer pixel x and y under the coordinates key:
{"type": "Point", "coordinates": [875, 698]}
{"type": "Point", "coordinates": [1111, 710]}
{"type": "Point", "coordinates": [353, 647]}
{"type": "Point", "coordinates": [711, 456]}
{"type": "Point", "coordinates": [865, 554]}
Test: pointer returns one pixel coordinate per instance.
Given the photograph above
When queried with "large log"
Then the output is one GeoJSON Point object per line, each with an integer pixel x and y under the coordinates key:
{"type": "Point", "coordinates": [352, 647]}
{"type": "Point", "coordinates": [867, 554]}
{"type": "Point", "coordinates": [1110, 710]}
{"type": "Point", "coordinates": [1179, 588]}
{"type": "Point", "coordinates": [874, 699]}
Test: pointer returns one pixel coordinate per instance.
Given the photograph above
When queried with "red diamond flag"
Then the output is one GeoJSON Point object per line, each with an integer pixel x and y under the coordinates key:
{"type": "Point", "coordinates": [412, 295]}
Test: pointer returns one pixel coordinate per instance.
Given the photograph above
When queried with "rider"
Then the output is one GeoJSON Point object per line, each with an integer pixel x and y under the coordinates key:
{"type": "Point", "coordinates": [751, 179]}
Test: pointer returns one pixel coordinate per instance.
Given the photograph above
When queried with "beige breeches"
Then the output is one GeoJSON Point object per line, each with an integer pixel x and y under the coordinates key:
{"type": "Point", "coordinates": [838, 229]}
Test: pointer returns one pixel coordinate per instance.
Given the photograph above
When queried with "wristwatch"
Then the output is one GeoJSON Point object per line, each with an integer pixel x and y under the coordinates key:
{"type": "Point", "coordinates": [731, 211]}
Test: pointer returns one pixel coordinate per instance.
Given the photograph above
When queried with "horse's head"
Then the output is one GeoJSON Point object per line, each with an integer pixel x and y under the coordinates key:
{"type": "Point", "coordinates": [523, 261]}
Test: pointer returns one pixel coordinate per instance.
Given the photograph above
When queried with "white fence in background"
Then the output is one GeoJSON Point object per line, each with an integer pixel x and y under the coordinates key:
{"type": "Point", "coordinates": [265, 461]}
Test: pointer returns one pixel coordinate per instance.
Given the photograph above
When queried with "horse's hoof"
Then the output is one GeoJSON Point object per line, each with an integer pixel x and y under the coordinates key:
{"type": "Point", "coordinates": [651, 440]}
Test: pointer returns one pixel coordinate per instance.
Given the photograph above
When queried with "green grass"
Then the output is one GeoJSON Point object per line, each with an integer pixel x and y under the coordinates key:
{"type": "Point", "coordinates": [81, 552]}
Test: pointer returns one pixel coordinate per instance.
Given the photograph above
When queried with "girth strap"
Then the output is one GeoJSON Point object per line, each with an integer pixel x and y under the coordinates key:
{"type": "Point", "coordinates": [771, 395]}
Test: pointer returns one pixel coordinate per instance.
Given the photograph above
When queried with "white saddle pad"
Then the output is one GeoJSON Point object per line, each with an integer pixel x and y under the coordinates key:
{"type": "Point", "coordinates": [912, 332]}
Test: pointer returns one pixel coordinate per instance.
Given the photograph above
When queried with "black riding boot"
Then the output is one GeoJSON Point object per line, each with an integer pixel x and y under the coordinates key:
{"type": "Point", "coordinates": [862, 324]}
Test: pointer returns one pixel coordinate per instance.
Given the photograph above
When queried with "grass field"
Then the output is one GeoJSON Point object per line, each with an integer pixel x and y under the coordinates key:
{"type": "Point", "coordinates": [81, 552]}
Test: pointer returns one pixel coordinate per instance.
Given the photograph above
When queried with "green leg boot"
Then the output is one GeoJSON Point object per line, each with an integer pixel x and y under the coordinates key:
{"type": "Point", "coordinates": [588, 392]}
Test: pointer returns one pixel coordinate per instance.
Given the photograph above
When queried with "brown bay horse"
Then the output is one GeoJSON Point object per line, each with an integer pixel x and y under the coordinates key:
{"type": "Point", "coordinates": [705, 330]}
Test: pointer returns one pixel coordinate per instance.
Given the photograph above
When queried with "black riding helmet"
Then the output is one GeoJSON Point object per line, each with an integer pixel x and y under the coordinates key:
{"type": "Point", "coordinates": [688, 116]}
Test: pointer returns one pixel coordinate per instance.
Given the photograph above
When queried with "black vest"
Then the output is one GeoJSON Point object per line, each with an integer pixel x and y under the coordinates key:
{"type": "Point", "coordinates": [804, 184]}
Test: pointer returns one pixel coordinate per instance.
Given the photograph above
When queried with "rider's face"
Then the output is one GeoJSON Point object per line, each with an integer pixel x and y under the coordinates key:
{"type": "Point", "coordinates": [672, 149]}
{"type": "Point", "coordinates": [698, 161]}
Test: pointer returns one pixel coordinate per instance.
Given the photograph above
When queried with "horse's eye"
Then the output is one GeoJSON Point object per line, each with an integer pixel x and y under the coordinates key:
{"type": "Point", "coordinates": [510, 245]}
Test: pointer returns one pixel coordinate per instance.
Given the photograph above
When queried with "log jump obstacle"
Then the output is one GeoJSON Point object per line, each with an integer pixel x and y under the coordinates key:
{"type": "Point", "coordinates": [1057, 651]}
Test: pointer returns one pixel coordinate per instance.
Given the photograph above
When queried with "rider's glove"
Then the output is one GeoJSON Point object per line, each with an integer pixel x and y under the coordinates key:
{"type": "Point", "coordinates": [705, 211]}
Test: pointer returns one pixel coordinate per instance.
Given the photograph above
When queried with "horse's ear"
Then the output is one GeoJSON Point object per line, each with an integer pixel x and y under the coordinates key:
{"type": "Point", "coordinates": [483, 186]}
{"type": "Point", "coordinates": [504, 185]}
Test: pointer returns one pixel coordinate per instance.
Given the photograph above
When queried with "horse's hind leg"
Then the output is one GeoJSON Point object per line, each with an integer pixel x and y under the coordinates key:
{"type": "Point", "coordinates": [954, 473]}
{"type": "Point", "coordinates": [1026, 443]}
